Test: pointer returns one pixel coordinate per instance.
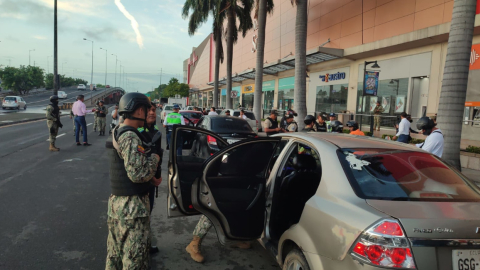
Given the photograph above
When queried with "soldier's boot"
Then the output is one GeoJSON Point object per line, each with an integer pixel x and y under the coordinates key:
{"type": "Point", "coordinates": [194, 249]}
{"type": "Point", "coordinates": [242, 245]}
{"type": "Point", "coordinates": [53, 148]}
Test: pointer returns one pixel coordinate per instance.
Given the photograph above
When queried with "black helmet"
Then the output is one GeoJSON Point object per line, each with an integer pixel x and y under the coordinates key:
{"type": "Point", "coordinates": [131, 101]}
{"type": "Point", "coordinates": [426, 124]}
{"type": "Point", "coordinates": [101, 101]}
{"type": "Point", "coordinates": [54, 98]}
{"type": "Point", "coordinates": [309, 119]}
{"type": "Point", "coordinates": [352, 124]}
{"type": "Point", "coordinates": [337, 126]}
{"type": "Point", "coordinates": [97, 102]}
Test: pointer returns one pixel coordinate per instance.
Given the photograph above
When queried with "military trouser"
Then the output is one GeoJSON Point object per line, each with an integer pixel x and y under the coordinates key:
{"type": "Point", "coordinates": [101, 122]}
{"type": "Point", "coordinates": [203, 226]}
{"type": "Point", "coordinates": [95, 121]}
{"type": "Point", "coordinates": [53, 131]}
{"type": "Point", "coordinates": [376, 121]}
{"type": "Point", "coordinates": [128, 243]}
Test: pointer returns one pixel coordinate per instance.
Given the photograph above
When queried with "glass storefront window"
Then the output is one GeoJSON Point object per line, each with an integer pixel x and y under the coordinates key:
{"type": "Point", "coordinates": [392, 95]}
{"type": "Point", "coordinates": [223, 101]}
{"type": "Point", "coordinates": [285, 99]}
{"type": "Point", "coordinates": [332, 98]}
{"type": "Point", "coordinates": [247, 101]}
{"type": "Point", "coordinates": [268, 100]}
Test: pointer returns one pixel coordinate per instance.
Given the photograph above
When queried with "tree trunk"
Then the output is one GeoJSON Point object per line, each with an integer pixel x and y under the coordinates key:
{"type": "Point", "coordinates": [455, 78]}
{"type": "Point", "coordinates": [216, 91]}
{"type": "Point", "coordinates": [262, 21]}
{"type": "Point", "coordinates": [230, 28]}
{"type": "Point", "coordinates": [300, 90]}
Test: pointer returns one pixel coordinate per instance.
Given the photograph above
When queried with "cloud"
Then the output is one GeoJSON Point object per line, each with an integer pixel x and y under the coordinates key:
{"type": "Point", "coordinates": [39, 37]}
{"type": "Point", "coordinates": [84, 7]}
{"type": "Point", "coordinates": [25, 10]}
{"type": "Point", "coordinates": [133, 22]}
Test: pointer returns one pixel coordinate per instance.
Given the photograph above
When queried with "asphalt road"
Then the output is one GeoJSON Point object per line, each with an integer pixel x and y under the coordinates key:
{"type": "Point", "coordinates": [53, 208]}
{"type": "Point", "coordinates": [41, 100]}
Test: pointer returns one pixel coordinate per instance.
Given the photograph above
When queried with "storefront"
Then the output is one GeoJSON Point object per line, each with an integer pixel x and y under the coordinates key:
{"type": "Point", "coordinates": [235, 96]}
{"type": "Point", "coordinates": [223, 98]}
{"type": "Point", "coordinates": [329, 90]}
{"type": "Point", "coordinates": [247, 96]}
{"type": "Point", "coordinates": [268, 93]}
{"type": "Point", "coordinates": [285, 93]}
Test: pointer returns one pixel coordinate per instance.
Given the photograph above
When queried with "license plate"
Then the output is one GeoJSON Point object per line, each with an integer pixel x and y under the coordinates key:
{"type": "Point", "coordinates": [231, 141]}
{"type": "Point", "coordinates": [464, 259]}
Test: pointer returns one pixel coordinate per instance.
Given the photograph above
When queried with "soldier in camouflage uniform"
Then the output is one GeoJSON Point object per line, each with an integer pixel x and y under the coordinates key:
{"type": "Point", "coordinates": [53, 122]}
{"type": "Point", "coordinates": [95, 119]}
{"type": "Point", "coordinates": [100, 119]}
{"type": "Point", "coordinates": [132, 170]}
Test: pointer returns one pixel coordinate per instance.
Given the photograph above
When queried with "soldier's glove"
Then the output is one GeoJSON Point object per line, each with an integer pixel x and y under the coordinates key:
{"type": "Point", "coordinates": [60, 125]}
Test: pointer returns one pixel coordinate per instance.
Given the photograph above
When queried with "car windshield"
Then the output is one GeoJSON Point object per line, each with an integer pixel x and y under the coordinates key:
{"type": "Point", "coordinates": [168, 108]}
{"type": "Point", "coordinates": [230, 125]}
{"type": "Point", "coordinates": [387, 174]}
{"type": "Point", "coordinates": [10, 98]}
{"type": "Point", "coordinates": [249, 115]}
{"type": "Point", "coordinates": [192, 115]}
{"type": "Point", "coordinates": [61, 92]}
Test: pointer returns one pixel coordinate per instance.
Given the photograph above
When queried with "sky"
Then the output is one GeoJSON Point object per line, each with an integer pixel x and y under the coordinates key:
{"type": "Point", "coordinates": [146, 35]}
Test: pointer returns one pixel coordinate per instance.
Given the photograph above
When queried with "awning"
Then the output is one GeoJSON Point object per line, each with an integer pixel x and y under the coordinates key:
{"type": "Point", "coordinates": [315, 56]}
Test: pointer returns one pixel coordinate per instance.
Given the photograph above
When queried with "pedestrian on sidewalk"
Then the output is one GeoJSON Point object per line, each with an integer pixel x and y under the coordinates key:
{"type": "Point", "coordinates": [403, 129]}
{"type": "Point", "coordinates": [53, 122]}
{"type": "Point", "coordinates": [95, 116]}
{"type": "Point", "coordinates": [212, 111]}
{"type": "Point", "coordinates": [434, 142]}
{"type": "Point", "coordinates": [377, 112]}
{"type": "Point", "coordinates": [80, 111]}
{"type": "Point", "coordinates": [132, 173]}
{"type": "Point", "coordinates": [101, 112]}
{"type": "Point", "coordinates": [242, 115]}
{"type": "Point", "coordinates": [353, 126]}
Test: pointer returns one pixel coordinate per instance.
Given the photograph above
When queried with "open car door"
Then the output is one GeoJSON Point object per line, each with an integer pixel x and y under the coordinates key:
{"type": "Point", "coordinates": [231, 189]}
{"type": "Point", "coordinates": [190, 147]}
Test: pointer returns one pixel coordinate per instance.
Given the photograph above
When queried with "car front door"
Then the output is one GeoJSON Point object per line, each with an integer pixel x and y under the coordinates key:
{"type": "Point", "coordinates": [231, 188]}
{"type": "Point", "coordinates": [185, 168]}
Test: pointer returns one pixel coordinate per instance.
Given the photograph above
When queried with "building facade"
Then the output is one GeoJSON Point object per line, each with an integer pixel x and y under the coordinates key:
{"type": "Point", "coordinates": [407, 38]}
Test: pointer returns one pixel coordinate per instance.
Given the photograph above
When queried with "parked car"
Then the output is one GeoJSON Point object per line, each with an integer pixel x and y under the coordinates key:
{"type": "Point", "coordinates": [189, 108]}
{"type": "Point", "coordinates": [81, 87]}
{"type": "Point", "coordinates": [62, 94]}
{"type": "Point", "coordinates": [167, 108]}
{"type": "Point", "coordinates": [251, 117]}
{"type": "Point", "coordinates": [94, 87]}
{"type": "Point", "coordinates": [14, 102]}
{"type": "Point", "coordinates": [107, 86]}
{"type": "Point", "coordinates": [191, 116]}
{"type": "Point", "coordinates": [331, 201]}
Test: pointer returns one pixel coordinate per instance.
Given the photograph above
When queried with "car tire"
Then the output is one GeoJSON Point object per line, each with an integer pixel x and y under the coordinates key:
{"type": "Point", "coordinates": [295, 260]}
{"type": "Point", "coordinates": [4, 108]}
{"type": "Point", "coordinates": [18, 108]}
{"type": "Point", "coordinates": [25, 108]}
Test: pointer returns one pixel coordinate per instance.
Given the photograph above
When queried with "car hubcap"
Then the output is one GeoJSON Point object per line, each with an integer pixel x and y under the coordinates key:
{"type": "Point", "coordinates": [295, 265]}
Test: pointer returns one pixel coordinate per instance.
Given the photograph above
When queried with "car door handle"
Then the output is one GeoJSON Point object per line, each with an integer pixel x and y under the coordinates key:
{"type": "Point", "coordinates": [257, 197]}
{"type": "Point", "coordinates": [204, 193]}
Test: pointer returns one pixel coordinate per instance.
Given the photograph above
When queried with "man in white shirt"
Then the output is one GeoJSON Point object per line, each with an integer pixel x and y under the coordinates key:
{"type": "Point", "coordinates": [212, 111]}
{"type": "Point", "coordinates": [403, 129]}
{"type": "Point", "coordinates": [242, 115]}
{"type": "Point", "coordinates": [434, 141]}
{"type": "Point", "coordinates": [79, 109]}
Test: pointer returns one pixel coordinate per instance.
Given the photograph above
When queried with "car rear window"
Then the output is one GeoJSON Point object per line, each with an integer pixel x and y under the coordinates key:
{"type": "Point", "coordinates": [169, 108]}
{"type": "Point", "coordinates": [250, 115]}
{"type": "Point", "coordinates": [387, 174]}
{"type": "Point", "coordinates": [192, 115]}
{"type": "Point", "coordinates": [10, 98]}
{"type": "Point", "coordinates": [230, 125]}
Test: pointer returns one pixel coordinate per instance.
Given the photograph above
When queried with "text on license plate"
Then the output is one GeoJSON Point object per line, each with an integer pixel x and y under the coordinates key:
{"type": "Point", "coordinates": [231, 141]}
{"type": "Point", "coordinates": [466, 259]}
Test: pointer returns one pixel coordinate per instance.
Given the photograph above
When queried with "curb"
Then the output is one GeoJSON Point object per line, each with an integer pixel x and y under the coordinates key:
{"type": "Point", "coordinates": [25, 121]}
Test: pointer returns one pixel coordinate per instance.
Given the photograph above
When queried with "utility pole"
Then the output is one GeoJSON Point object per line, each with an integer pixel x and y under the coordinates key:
{"type": "Point", "coordinates": [161, 72]}
{"type": "Point", "coordinates": [106, 59]}
{"type": "Point", "coordinates": [56, 85]}
{"type": "Point", "coordinates": [48, 64]}
{"type": "Point", "coordinates": [116, 61]}
{"type": "Point", "coordinates": [91, 78]}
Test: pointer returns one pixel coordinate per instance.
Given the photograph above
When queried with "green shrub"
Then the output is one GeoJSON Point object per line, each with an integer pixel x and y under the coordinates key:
{"type": "Point", "coordinates": [473, 149]}
{"type": "Point", "coordinates": [415, 141]}
{"type": "Point", "coordinates": [368, 133]}
{"type": "Point", "coordinates": [346, 131]}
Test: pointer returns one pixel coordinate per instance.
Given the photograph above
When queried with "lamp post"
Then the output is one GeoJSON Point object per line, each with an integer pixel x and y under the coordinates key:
{"type": "Point", "coordinates": [375, 65]}
{"type": "Point", "coordinates": [106, 59]}
{"type": "Point", "coordinates": [116, 61]}
{"type": "Point", "coordinates": [120, 76]}
{"type": "Point", "coordinates": [91, 77]}
{"type": "Point", "coordinates": [55, 51]}
{"type": "Point", "coordinates": [392, 81]}
{"type": "Point", "coordinates": [29, 55]}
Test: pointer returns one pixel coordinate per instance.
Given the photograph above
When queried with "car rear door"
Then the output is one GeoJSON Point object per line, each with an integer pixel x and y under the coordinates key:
{"type": "Point", "coordinates": [185, 168]}
{"type": "Point", "coordinates": [231, 189]}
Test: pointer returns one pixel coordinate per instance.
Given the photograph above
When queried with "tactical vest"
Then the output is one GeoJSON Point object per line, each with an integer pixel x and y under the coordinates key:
{"type": "Point", "coordinates": [102, 108]}
{"type": "Point", "coordinates": [274, 125]}
{"type": "Point", "coordinates": [321, 128]}
{"type": "Point", "coordinates": [119, 181]}
{"type": "Point", "coordinates": [56, 110]}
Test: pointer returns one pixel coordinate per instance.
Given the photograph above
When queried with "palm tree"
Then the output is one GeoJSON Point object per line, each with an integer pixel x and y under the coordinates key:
{"type": "Point", "coordinates": [200, 12]}
{"type": "Point", "coordinates": [300, 88]}
{"type": "Point", "coordinates": [455, 78]}
{"type": "Point", "coordinates": [261, 9]}
{"type": "Point", "coordinates": [241, 10]}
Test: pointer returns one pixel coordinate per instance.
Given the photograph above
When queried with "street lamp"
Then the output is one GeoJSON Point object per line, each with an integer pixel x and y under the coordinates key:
{"type": "Point", "coordinates": [375, 65]}
{"type": "Point", "coordinates": [106, 59]}
{"type": "Point", "coordinates": [392, 81]}
{"type": "Point", "coordinates": [91, 78]}
{"type": "Point", "coordinates": [29, 56]}
{"type": "Point", "coordinates": [116, 61]}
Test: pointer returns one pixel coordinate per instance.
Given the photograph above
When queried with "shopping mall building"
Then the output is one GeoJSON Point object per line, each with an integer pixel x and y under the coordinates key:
{"type": "Point", "coordinates": [407, 38]}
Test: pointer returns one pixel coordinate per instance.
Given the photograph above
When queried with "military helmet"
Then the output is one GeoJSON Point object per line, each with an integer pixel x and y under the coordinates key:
{"type": "Point", "coordinates": [337, 126]}
{"type": "Point", "coordinates": [308, 120]}
{"type": "Point", "coordinates": [131, 101]}
{"type": "Point", "coordinates": [54, 98]}
{"type": "Point", "coordinates": [352, 124]}
{"type": "Point", "coordinates": [101, 101]}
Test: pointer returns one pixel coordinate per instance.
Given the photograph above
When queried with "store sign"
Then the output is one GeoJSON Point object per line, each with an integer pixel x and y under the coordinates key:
{"type": "Point", "coordinates": [234, 94]}
{"type": "Point", "coordinates": [472, 104]}
{"type": "Point", "coordinates": [333, 77]}
{"type": "Point", "coordinates": [248, 89]}
{"type": "Point", "coordinates": [370, 87]}
{"type": "Point", "coordinates": [474, 57]}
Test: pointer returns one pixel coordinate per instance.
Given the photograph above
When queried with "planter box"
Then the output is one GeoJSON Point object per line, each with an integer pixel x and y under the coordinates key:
{"type": "Point", "coordinates": [470, 160]}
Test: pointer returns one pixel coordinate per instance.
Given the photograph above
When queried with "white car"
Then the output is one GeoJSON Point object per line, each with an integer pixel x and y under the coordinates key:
{"type": "Point", "coordinates": [14, 102]}
{"type": "Point", "coordinates": [62, 94]}
{"type": "Point", "coordinates": [167, 108]}
{"type": "Point", "coordinates": [250, 117]}
{"type": "Point", "coordinates": [81, 87]}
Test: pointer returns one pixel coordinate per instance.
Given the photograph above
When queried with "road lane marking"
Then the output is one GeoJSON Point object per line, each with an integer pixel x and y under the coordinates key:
{"type": "Point", "coordinates": [89, 124]}
{"type": "Point", "coordinates": [57, 136]}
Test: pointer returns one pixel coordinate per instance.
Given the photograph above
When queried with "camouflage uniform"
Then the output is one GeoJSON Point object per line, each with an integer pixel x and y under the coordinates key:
{"type": "Point", "coordinates": [128, 222]}
{"type": "Point", "coordinates": [100, 121]}
{"type": "Point", "coordinates": [203, 226]}
{"type": "Point", "coordinates": [52, 124]}
{"type": "Point", "coordinates": [95, 115]}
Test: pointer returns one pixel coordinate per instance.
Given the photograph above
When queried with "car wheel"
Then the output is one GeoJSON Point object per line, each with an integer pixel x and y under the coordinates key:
{"type": "Point", "coordinates": [4, 108]}
{"type": "Point", "coordinates": [18, 108]}
{"type": "Point", "coordinates": [295, 260]}
{"type": "Point", "coordinates": [25, 108]}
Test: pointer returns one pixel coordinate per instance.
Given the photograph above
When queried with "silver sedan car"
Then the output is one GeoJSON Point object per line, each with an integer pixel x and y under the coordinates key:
{"type": "Point", "coordinates": [330, 201]}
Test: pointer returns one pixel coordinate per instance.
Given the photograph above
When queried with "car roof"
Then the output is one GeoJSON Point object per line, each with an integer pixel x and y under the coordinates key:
{"type": "Point", "coordinates": [189, 111]}
{"type": "Point", "coordinates": [237, 110]}
{"type": "Point", "coordinates": [352, 141]}
{"type": "Point", "coordinates": [13, 96]}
